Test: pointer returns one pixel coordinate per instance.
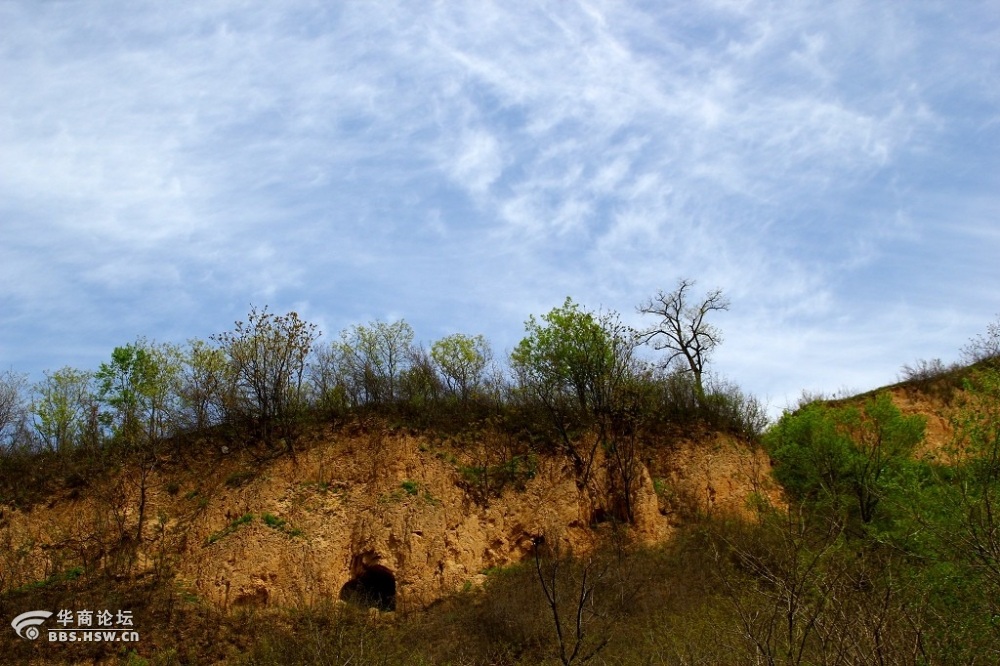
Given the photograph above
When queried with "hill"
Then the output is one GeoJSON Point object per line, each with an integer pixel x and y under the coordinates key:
{"type": "Point", "coordinates": [397, 539]}
{"type": "Point", "coordinates": [393, 518]}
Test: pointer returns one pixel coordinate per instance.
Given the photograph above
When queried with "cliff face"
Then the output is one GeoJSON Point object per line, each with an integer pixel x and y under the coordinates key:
{"type": "Point", "coordinates": [380, 518]}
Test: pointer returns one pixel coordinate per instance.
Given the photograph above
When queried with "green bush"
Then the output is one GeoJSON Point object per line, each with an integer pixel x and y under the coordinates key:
{"type": "Point", "coordinates": [843, 460]}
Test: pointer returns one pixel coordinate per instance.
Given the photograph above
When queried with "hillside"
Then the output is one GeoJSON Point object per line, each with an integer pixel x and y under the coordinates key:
{"type": "Point", "coordinates": [238, 531]}
{"type": "Point", "coordinates": [371, 532]}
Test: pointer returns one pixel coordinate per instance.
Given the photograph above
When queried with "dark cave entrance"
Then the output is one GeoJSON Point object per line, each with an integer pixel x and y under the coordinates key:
{"type": "Point", "coordinates": [374, 587]}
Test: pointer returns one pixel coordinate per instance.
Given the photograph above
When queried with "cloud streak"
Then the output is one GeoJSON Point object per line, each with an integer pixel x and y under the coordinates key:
{"type": "Point", "coordinates": [466, 164]}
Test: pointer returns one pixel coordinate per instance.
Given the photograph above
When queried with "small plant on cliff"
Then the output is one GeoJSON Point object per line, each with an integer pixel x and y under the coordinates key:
{"type": "Point", "coordinates": [280, 524]}
{"type": "Point", "coordinates": [273, 521]}
{"type": "Point", "coordinates": [229, 529]}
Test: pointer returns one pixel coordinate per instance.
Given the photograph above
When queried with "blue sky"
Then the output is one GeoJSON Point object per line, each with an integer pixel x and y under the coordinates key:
{"type": "Point", "coordinates": [832, 166]}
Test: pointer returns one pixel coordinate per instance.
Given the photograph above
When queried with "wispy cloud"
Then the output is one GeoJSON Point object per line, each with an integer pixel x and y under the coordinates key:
{"type": "Point", "coordinates": [466, 164]}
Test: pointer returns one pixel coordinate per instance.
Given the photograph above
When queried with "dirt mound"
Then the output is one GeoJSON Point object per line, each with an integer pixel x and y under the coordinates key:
{"type": "Point", "coordinates": [382, 519]}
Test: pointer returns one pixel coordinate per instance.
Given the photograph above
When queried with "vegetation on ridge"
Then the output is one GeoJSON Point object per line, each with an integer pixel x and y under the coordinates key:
{"type": "Point", "coordinates": [879, 555]}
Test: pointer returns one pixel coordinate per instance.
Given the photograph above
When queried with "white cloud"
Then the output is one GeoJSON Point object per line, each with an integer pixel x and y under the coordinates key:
{"type": "Point", "coordinates": [471, 163]}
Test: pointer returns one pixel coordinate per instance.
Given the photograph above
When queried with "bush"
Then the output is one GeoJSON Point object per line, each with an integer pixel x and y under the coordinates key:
{"type": "Point", "coordinates": [843, 459]}
{"type": "Point", "coordinates": [727, 407]}
{"type": "Point", "coordinates": [924, 370]}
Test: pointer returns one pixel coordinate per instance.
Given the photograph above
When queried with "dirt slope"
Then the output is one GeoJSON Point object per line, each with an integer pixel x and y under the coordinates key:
{"type": "Point", "coordinates": [384, 509]}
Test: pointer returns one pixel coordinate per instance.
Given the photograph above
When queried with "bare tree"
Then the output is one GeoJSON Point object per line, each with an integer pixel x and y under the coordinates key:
{"type": "Point", "coordinates": [779, 579]}
{"type": "Point", "coordinates": [267, 355]}
{"type": "Point", "coordinates": [984, 346]}
{"type": "Point", "coordinates": [683, 331]}
{"type": "Point", "coordinates": [575, 637]}
{"type": "Point", "coordinates": [12, 403]}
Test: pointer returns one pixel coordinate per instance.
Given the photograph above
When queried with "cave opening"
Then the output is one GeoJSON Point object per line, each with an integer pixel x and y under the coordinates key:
{"type": "Point", "coordinates": [373, 587]}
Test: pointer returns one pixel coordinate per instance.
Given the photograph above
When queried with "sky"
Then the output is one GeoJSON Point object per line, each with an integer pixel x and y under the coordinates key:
{"type": "Point", "coordinates": [833, 167]}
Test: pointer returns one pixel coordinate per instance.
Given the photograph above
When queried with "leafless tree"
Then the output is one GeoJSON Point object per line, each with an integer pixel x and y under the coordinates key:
{"type": "Point", "coordinates": [683, 330]}
{"type": "Point", "coordinates": [984, 346]}
{"type": "Point", "coordinates": [577, 641]}
{"type": "Point", "coordinates": [267, 355]}
{"type": "Point", "coordinates": [12, 403]}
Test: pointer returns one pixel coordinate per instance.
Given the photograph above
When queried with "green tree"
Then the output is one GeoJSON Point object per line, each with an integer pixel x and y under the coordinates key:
{"type": "Point", "coordinates": [419, 384]}
{"type": "Point", "coordinates": [327, 384]}
{"type": "Point", "coordinates": [267, 357]}
{"type": "Point", "coordinates": [64, 402]}
{"type": "Point", "coordinates": [373, 359]}
{"type": "Point", "coordinates": [977, 480]}
{"type": "Point", "coordinates": [578, 366]}
{"type": "Point", "coordinates": [572, 356]}
{"type": "Point", "coordinates": [139, 387]}
{"type": "Point", "coordinates": [204, 382]}
{"type": "Point", "coordinates": [462, 360]}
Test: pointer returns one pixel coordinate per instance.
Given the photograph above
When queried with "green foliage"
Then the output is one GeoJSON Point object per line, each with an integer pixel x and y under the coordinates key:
{"type": "Point", "coordinates": [280, 525]}
{"type": "Point", "coordinates": [139, 388]}
{"type": "Point", "coordinates": [461, 360]}
{"type": "Point", "coordinates": [372, 359]}
{"type": "Point", "coordinates": [328, 390]}
{"type": "Point", "coordinates": [419, 385]}
{"type": "Point", "coordinates": [976, 480]}
{"type": "Point", "coordinates": [68, 575]}
{"type": "Point", "coordinates": [204, 385]}
{"type": "Point", "coordinates": [843, 458]}
{"type": "Point", "coordinates": [490, 480]}
{"type": "Point", "coordinates": [240, 478]}
{"type": "Point", "coordinates": [726, 407]}
{"type": "Point", "coordinates": [273, 521]}
{"type": "Point", "coordinates": [229, 529]}
{"type": "Point", "coordinates": [581, 367]}
{"type": "Point", "coordinates": [65, 408]}
{"type": "Point", "coordinates": [572, 355]}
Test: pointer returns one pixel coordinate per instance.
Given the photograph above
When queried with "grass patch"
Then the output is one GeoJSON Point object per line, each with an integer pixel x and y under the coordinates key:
{"type": "Point", "coordinates": [229, 529]}
{"type": "Point", "coordinates": [408, 489]}
{"type": "Point", "coordinates": [280, 524]}
{"type": "Point", "coordinates": [60, 577]}
{"type": "Point", "coordinates": [490, 480]}
{"type": "Point", "coordinates": [239, 479]}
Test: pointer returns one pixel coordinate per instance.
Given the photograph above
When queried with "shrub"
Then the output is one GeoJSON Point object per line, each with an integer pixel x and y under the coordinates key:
{"type": "Point", "coordinates": [238, 479]}
{"type": "Point", "coordinates": [924, 370]}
